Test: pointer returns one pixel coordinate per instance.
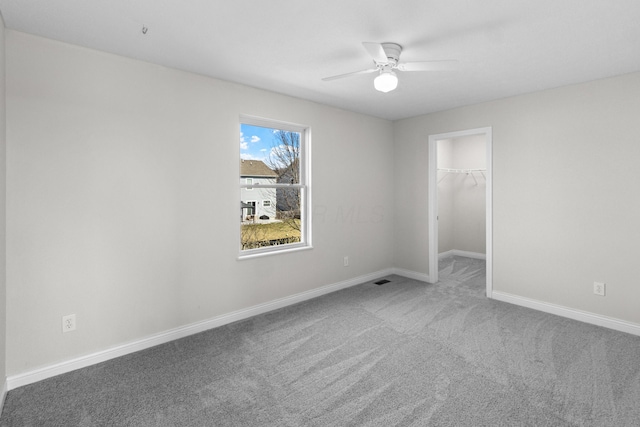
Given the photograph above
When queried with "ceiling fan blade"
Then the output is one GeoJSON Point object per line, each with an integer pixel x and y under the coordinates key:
{"type": "Point", "coordinates": [376, 51]}
{"type": "Point", "coordinates": [428, 66]}
{"type": "Point", "coordinates": [355, 73]}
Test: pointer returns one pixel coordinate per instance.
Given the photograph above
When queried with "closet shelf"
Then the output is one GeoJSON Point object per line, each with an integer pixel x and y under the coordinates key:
{"type": "Point", "coordinates": [467, 171]}
{"type": "Point", "coordinates": [461, 170]}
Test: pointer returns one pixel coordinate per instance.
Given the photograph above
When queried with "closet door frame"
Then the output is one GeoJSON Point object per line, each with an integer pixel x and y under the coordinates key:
{"type": "Point", "coordinates": [433, 200]}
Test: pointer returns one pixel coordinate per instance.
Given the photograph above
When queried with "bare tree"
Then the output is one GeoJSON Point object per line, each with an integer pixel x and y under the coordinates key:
{"type": "Point", "coordinates": [284, 159]}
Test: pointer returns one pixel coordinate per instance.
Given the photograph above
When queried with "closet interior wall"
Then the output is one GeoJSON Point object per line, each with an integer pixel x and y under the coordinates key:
{"type": "Point", "coordinates": [462, 195]}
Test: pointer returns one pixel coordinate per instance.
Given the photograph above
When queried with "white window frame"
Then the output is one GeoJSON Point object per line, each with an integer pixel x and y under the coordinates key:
{"type": "Point", "coordinates": [304, 186]}
{"type": "Point", "coordinates": [266, 203]}
{"type": "Point", "coordinates": [249, 182]}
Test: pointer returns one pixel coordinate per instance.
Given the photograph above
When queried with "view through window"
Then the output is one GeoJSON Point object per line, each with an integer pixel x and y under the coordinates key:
{"type": "Point", "coordinates": [273, 186]}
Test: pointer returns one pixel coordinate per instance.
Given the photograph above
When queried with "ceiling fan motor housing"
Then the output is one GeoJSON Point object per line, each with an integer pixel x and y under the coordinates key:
{"type": "Point", "coordinates": [392, 50]}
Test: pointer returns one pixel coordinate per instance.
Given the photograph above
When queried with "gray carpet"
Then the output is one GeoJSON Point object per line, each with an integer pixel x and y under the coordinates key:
{"type": "Point", "coordinates": [402, 354]}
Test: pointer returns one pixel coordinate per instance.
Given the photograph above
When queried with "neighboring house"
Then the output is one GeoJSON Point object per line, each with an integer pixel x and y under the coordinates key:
{"type": "Point", "coordinates": [256, 201]}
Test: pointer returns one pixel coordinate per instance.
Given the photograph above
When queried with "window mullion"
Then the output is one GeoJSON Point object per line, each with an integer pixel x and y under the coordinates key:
{"type": "Point", "coordinates": [299, 186]}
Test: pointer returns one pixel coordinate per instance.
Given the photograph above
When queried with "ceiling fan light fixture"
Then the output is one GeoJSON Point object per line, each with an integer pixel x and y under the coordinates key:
{"type": "Point", "coordinates": [386, 81]}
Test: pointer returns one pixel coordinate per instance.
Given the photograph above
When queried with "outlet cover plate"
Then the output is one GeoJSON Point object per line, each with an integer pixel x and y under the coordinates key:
{"type": "Point", "coordinates": [69, 323]}
{"type": "Point", "coordinates": [599, 288]}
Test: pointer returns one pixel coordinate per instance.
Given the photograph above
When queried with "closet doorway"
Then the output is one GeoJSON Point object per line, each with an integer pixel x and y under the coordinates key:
{"type": "Point", "coordinates": [460, 214]}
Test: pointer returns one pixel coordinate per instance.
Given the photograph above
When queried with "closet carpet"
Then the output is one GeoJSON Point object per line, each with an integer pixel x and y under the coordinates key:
{"type": "Point", "coordinates": [404, 353]}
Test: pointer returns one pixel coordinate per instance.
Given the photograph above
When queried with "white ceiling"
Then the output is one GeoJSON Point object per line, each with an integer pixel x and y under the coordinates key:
{"type": "Point", "coordinates": [505, 47]}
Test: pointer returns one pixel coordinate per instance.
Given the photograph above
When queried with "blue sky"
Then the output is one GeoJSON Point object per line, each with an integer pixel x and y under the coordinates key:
{"type": "Point", "coordinates": [255, 142]}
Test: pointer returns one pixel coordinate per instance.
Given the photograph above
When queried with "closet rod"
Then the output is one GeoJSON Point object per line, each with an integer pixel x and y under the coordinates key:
{"type": "Point", "coordinates": [467, 171]}
{"type": "Point", "coordinates": [461, 170]}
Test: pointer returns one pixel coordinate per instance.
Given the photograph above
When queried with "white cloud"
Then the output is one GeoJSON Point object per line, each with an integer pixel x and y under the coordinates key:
{"type": "Point", "coordinates": [254, 138]}
{"type": "Point", "coordinates": [244, 145]}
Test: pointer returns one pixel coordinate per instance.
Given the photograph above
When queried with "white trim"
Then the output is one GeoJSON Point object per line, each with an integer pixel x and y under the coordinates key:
{"type": "Point", "coordinates": [411, 274]}
{"type": "Point", "coordinates": [466, 254]}
{"type": "Point", "coordinates": [488, 131]}
{"type": "Point", "coordinates": [267, 185]}
{"type": "Point", "coordinates": [433, 200]}
{"type": "Point", "coordinates": [269, 123]}
{"type": "Point", "coordinates": [3, 394]}
{"type": "Point", "coordinates": [306, 197]}
{"type": "Point", "coordinates": [570, 313]}
{"type": "Point", "coordinates": [45, 372]}
{"type": "Point", "coordinates": [433, 208]}
{"type": "Point", "coordinates": [285, 249]}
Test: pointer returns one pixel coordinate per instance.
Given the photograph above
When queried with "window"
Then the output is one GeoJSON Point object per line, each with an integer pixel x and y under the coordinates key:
{"type": "Point", "coordinates": [275, 168]}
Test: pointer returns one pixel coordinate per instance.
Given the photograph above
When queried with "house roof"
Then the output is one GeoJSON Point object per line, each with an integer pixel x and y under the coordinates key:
{"type": "Point", "coordinates": [255, 168]}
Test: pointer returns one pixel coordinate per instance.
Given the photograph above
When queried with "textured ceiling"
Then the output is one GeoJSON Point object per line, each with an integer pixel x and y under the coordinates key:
{"type": "Point", "coordinates": [505, 47]}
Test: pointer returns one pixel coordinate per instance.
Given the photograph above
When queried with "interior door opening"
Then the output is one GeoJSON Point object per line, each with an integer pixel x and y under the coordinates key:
{"type": "Point", "coordinates": [460, 215]}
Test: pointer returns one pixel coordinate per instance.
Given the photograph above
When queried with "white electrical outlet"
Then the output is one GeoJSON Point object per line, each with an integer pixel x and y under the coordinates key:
{"type": "Point", "coordinates": [599, 288]}
{"type": "Point", "coordinates": [69, 323]}
{"type": "Point", "coordinates": [346, 261]}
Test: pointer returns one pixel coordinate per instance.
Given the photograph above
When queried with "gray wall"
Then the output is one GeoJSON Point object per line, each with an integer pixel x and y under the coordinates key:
{"type": "Point", "coordinates": [469, 214]}
{"type": "Point", "coordinates": [565, 205]}
{"type": "Point", "coordinates": [122, 200]}
{"type": "Point", "coordinates": [445, 197]}
{"type": "Point", "coordinates": [122, 179]}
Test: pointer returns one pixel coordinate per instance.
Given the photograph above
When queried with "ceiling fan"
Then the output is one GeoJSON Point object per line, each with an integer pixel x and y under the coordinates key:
{"type": "Point", "coordinates": [385, 57]}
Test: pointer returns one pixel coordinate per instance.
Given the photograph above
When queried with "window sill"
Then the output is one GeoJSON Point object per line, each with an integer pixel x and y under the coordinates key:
{"type": "Point", "coordinates": [245, 256]}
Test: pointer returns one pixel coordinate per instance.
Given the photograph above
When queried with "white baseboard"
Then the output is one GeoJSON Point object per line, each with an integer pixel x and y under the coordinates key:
{"type": "Point", "coordinates": [43, 373]}
{"type": "Point", "coordinates": [466, 254]}
{"type": "Point", "coordinates": [411, 274]}
{"type": "Point", "coordinates": [582, 316]}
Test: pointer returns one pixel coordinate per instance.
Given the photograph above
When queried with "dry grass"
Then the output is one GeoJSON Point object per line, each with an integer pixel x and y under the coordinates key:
{"type": "Point", "coordinates": [257, 235]}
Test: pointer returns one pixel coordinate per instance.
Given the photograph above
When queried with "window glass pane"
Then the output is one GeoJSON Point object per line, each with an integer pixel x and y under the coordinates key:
{"type": "Point", "coordinates": [284, 156]}
{"type": "Point", "coordinates": [271, 214]}
{"type": "Point", "coordinates": [285, 227]}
